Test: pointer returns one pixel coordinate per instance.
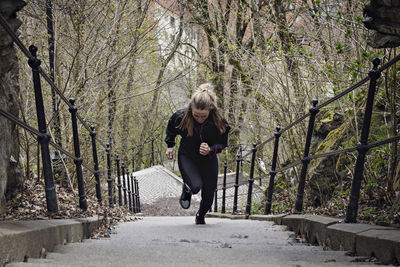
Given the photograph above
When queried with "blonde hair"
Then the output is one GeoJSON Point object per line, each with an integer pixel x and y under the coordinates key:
{"type": "Point", "coordinates": [204, 99]}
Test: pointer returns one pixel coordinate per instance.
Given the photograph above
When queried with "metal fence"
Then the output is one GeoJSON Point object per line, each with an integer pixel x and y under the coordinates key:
{"type": "Point", "coordinates": [125, 182]}
{"type": "Point", "coordinates": [362, 148]}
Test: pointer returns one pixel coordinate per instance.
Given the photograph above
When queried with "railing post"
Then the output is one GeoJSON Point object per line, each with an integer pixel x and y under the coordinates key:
{"type": "Point", "coordinates": [119, 185]}
{"type": "Point", "coordinates": [137, 195]}
{"type": "Point", "coordinates": [216, 199]}
{"type": "Point", "coordinates": [251, 179]}
{"type": "Point", "coordinates": [134, 208]}
{"type": "Point", "coordinates": [44, 139]}
{"type": "Point", "coordinates": [224, 189]}
{"type": "Point", "coordinates": [235, 198]}
{"type": "Point", "coordinates": [79, 160]}
{"type": "Point", "coordinates": [305, 160]}
{"type": "Point", "coordinates": [133, 196]}
{"type": "Point", "coordinates": [109, 179]}
{"type": "Point", "coordinates": [124, 182]}
{"type": "Point", "coordinates": [96, 164]}
{"type": "Point", "coordinates": [129, 189]}
{"type": "Point", "coordinates": [352, 208]}
{"type": "Point", "coordinates": [272, 173]}
{"type": "Point", "coordinates": [241, 157]}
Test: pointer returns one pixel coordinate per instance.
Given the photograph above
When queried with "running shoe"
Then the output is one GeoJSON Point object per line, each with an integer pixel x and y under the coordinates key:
{"type": "Point", "coordinates": [200, 219]}
{"type": "Point", "coordinates": [185, 197]}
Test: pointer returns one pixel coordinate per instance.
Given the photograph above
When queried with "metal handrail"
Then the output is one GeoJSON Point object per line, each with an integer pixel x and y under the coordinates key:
{"type": "Point", "coordinates": [327, 102]}
{"type": "Point", "coordinates": [25, 51]}
{"type": "Point", "coordinates": [44, 138]}
{"type": "Point", "coordinates": [35, 132]}
{"type": "Point", "coordinates": [362, 147]}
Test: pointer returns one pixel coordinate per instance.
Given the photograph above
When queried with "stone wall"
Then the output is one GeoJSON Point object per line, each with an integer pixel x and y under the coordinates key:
{"type": "Point", "coordinates": [9, 91]}
{"type": "Point", "coordinates": [383, 19]}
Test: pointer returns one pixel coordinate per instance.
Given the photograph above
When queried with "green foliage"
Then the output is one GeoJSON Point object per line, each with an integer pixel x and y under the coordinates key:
{"type": "Point", "coordinates": [281, 207]}
{"type": "Point", "coordinates": [383, 219]}
{"type": "Point", "coordinates": [382, 94]}
{"type": "Point", "coordinates": [270, 42]}
{"type": "Point", "coordinates": [348, 32]}
{"type": "Point", "coordinates": [338, 204]}
{"type": "Point", "coordinates": [282, 185]}
{"type": "Point", "coordinates": [371, 184]}
{"type": "Point", "coordinates": [367, 214]}
{"type": "Point", "coordinates": [345, 192]}
{"type": "Point", "coordinates": [258, 207]}
{"type": "Point", "coordinates": [339, 48]}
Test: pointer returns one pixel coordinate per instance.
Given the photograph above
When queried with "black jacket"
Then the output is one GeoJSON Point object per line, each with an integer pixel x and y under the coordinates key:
{"type": "Point", "coordinates": [206, 132]}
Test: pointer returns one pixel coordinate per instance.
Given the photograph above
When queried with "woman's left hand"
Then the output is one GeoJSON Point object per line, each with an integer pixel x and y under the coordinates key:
{"type": "Point", "coordinates": [204, 149]}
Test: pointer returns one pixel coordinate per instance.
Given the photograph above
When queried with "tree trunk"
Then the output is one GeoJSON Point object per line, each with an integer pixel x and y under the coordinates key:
{"type": "Point", "coordinates": [111, 76]}
{"type": "Point", "coordinates": [126, 115]}
{"type": "Point", "coordinates": [9, 91]}
{"type": "Point", "coordinates": [287, 42]}
{"type": "Point", "coordinates": [147, 130]}
{"type": "Point", "coordinates": [391, 86]}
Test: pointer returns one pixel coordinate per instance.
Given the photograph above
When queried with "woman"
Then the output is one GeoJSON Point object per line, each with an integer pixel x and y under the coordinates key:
{"type": "Point", "coordinates": [204, 134]}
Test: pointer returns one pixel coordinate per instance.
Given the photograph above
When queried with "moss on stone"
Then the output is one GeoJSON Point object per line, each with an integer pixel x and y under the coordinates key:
{"type": "Point", "coordinates": [328, 117]}
{"type": "Point", "coordinates": [332, 140]}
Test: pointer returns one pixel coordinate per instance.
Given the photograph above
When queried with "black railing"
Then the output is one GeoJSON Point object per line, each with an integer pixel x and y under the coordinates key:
{"type": "Point", "coordinates": [44, 140]}
{"type": "Point", "coordinates": [362, 147]}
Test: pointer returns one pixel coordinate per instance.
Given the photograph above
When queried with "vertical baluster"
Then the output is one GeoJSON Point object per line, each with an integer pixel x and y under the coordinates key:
{"type": "Point", "coordinates": [119, 185]}
{"type": "Point", "coordinates": [109, 179]}
{"type": "Point", "coordinates": [235, 198]}
{"type": "Point", "coordinates": [137, 195]}
{"type": "Point", "coordinates": [305, 160]}
{"type": "Point", "coordinates": [134, 206]}
{"type": "Point", "coordinates": [79, 160]}
{"type": "Point", "coordinates": [352, 208]}
{"type": "Point", "coordinates": [216, 199]}
{"type": "Point", "coordinates": [96, 164]}
{"type": "Point", "coordinates": [124, 182]}
{"type": "Point", "coordinates": [132, 182]}
{"type": "Point", "coordinates": [224, 189]}
{"type": "Point", "coordinates": [268, 203]}
{"type": "Point", "coordinates": [251, 179]}
{"type": "Point", "coordinates": [44, 139]}
{"type": "Point", "coordinates": [129, 189]}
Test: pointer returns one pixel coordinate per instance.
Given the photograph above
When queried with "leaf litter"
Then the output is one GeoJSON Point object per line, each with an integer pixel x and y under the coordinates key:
{"type": "Point", "coordinates": [30, 204]}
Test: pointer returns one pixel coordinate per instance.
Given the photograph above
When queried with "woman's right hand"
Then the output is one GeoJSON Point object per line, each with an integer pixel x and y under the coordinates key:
{"type": "Point", "coordinates": [170, 153]}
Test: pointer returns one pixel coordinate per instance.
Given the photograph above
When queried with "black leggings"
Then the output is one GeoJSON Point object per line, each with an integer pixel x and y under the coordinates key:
{"type": "Point", "coordinates": [200, 174]}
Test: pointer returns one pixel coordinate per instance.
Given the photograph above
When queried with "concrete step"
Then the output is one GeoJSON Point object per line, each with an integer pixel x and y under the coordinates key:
{"type": "Point", "coordinates": [332, 233]}
{"type": "Point", "coordinates": [178, 241]}
{"type": "Point", "coordinates": [20, 240]}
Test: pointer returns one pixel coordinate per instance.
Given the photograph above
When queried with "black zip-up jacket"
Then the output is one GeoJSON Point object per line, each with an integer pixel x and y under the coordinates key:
{"type": "Point", "coordinates": [206, 132]}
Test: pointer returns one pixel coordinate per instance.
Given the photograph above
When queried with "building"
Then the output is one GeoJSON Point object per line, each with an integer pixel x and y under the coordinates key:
{"type": "Point", "coordinates": [184, 62]}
